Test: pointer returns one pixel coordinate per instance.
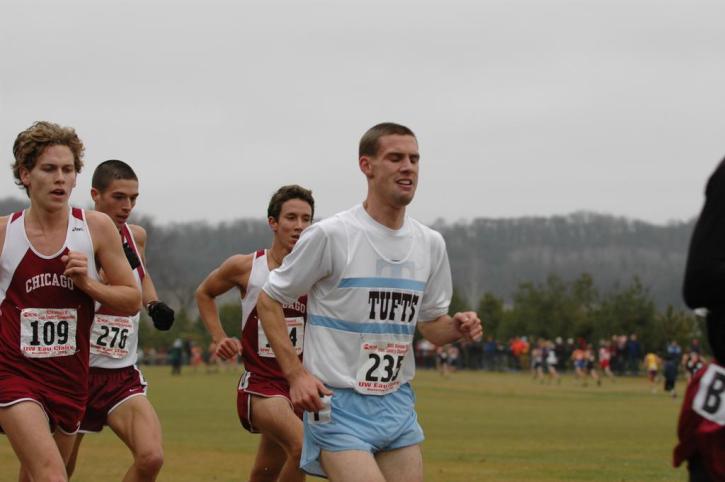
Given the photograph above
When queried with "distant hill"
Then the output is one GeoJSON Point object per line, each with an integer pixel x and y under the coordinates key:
{"type": "Point", "coordinates": [497, 254]}
{"type": "Point", "coordinates": [10, 205]}
{"type": "Point", "coordinates": [492, 255]}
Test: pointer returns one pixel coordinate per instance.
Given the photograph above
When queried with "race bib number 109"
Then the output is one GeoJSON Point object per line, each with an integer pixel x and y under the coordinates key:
{"type": "Point", "coordinates": [48, 332]}
{"type": "Point", "coordinates": [379, 367]}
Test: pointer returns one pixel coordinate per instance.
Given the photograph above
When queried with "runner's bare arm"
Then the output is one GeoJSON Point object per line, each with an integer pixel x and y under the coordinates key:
{"type": "Point", "coordinates": [161, 314]}
{"type": "Point", "coordinates": [148, 290]}
{"type": "Point", "coordinates": [305, 389]}
{"type": "Point", "coordinates": [233, 272]}
{"type": "Point", "coordinates": [447, 329]}
{"type": "Point", "coordinates": [119, 291]}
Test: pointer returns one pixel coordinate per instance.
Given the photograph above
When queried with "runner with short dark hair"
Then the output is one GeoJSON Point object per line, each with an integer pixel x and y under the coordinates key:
{"type": "Point", "coordinates": [263, 399]}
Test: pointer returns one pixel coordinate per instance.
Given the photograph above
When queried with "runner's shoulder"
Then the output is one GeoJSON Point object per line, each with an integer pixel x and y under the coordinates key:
{"type": "Point", "coordinates": [98, 221]}
{"type": "Point", "coordinates": [139, 233]}
{"type": "Point", "coordinates": [237, 265]}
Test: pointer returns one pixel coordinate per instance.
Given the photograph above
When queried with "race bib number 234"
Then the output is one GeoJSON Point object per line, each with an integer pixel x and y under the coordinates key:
{"type": "Point", "coordinates": [295, 331]}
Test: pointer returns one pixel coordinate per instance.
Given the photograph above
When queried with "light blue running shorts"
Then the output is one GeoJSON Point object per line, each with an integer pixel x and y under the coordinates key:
{"type": "Point", "coordinates": [370, 423]}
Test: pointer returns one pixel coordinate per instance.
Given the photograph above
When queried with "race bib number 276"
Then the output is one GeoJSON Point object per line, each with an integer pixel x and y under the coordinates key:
{"type": "Point", "coordinates": [48, 332]}
{"type": "Point", "coordinates": [110, 334]}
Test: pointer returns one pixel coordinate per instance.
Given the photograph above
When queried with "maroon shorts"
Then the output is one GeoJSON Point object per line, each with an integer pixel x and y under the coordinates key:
{"type": "Point", "coordinates": [63, 412]}
{"type": "Point", "coordinates": [250, 385]}
{"type": "Point", "coordinates": [603, 364]}
{"type": "Point", "coordinates": [107, 389]}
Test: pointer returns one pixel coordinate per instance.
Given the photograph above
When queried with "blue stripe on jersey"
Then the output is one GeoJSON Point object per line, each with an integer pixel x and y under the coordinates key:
{"type": "Point", "coordinates": [405, 284]}
{"type": "Point", "coordinates": [377, 328]}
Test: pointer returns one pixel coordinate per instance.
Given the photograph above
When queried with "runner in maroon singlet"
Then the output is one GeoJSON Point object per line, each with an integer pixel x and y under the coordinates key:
{"type": "Point", "coordinates": [263, 402]}
{"type": "Point", "coordinates": [48, 284]}
{"type": "Point", "coordinates": [117, 390]}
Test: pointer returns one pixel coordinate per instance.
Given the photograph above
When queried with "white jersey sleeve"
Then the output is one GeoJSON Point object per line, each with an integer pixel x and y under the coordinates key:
{"type": "Point", "coordinates": [309, 261]}
{"type": "Point", "coordinates": [439, 289]}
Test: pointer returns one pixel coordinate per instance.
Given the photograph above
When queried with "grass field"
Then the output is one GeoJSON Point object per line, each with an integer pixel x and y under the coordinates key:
{"type": "Point", "coordinates": [479, 427]}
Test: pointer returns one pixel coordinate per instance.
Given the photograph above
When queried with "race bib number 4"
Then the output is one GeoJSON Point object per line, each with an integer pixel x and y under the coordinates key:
{"type": "Point", "coordinates": [109, 335]}
{"type": "Point", "coordinates": [709, 402]}
{"type": "Point", "coordinates": [379, 367]}
{"type": "Point", "coordinates": [295, 330]}
{"type": "Point", "coordinates": [48, 332]}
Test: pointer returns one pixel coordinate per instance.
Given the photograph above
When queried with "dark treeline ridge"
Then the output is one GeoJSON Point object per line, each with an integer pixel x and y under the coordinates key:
{"type": "Point", "coordinates": [499, 257]}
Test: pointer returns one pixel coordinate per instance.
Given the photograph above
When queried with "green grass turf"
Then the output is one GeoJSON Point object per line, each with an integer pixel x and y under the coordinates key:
{"type": "Point", "coordinates": [478, 426]}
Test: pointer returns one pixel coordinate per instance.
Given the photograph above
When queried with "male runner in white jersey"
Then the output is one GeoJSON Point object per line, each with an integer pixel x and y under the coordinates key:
{"type": "Point", "coordinates": [49, 260]}
{"type": "Point", "coordinates": [372, 274]}
{"type": "Point", "coordinates": [117, 390]}
{"type": "Point", "coordinates": [263, 401]}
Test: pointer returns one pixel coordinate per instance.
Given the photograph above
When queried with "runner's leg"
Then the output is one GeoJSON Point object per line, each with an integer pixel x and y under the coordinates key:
{"type": "Point", "coordinates": [351, 466]}
{"type": "Point", "coordinates": [73, 458]}
{"type": "Point", "coordinates": [402, 465]}
{"type": "Point", "coordinates": [136, 423]}
{"type": "Point", "coordinates": [26, 427]}
{"type": "Point", "coordinates": [275, 418]}
{"type": "Point", "coordinates": [269, 461]}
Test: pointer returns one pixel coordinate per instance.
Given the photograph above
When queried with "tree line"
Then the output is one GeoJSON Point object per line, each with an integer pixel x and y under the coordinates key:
{"type": "Point", "coordinates": [578, 309]}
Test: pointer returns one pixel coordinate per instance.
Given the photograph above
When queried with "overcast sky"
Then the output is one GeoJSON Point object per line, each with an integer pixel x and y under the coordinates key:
{"type": "Point", "coordinates": [521, 107]}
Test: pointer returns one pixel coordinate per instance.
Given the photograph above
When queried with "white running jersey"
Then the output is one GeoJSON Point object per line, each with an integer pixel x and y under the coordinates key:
{"type": "Point", "coordinates": [257, 277]}
{"type": "Point", "coordinates": [16, 248]}
{"type": "Point", "coordinates": [114, 338]}
{"type": "Point", "coordinates": [368, 286]}
{"type": "Point", "coordinates": [45, 319]}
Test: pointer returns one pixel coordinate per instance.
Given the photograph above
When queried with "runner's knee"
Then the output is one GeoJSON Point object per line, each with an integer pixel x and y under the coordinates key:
{"type": "Point", "coordinates": [263, 474]}
{"type": "Point", "coordinates": [293, 449]}
{"type": "Point", "coordinates": [150, 461]}
{"type": "Point", "coordinates": [44, 469]}
{"type": "Point", "coordinates": [46, 474]}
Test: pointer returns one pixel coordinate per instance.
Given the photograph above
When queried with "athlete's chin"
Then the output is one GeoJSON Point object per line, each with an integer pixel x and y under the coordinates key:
{"type": "Point", "coordinates": [55, 202]}
{"type": "Point", "coordinates": [404, 199]}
